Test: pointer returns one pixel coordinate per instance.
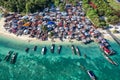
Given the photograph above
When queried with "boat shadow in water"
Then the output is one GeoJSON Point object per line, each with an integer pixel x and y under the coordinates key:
{"type": "Point", "coordinates": [8, 56]}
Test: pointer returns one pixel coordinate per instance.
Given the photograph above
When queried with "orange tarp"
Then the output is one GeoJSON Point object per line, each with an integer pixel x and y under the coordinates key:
{"type": "Point", "coordinates": [27, 24]}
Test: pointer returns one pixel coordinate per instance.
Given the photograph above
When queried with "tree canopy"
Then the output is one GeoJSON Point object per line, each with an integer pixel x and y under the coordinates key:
{"type": "Point", "coordinates": [26, 6]}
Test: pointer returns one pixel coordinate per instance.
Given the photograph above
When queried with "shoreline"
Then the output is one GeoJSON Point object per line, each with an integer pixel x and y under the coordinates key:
{"type": "Point", "coordinates": [28, 40]}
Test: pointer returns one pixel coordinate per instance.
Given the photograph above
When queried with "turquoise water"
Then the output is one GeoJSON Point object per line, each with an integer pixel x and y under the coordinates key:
{"type": "Point", "coordinates": [64, 66]}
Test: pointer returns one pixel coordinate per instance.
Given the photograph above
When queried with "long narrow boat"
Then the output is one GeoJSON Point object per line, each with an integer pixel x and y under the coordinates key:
{"type": "Point", "coordinates": [77, 51]}
{"type": "Point", "coordinates": [13, 59]}
{"type": "Point", "coordinates": [43, 52]}
{"type": "Point", "coordinates": [106, 50]}
{"type": "Point", "coordinates": [110, 60]}
{"type": "Point", "coordinates": [91, 74]}
{"type": "Point", "coordinates": [52, 48]}
{"type": "Point", "coordinates": [35, 48]}
{"type": "Point", "coordinates": [59, 49]}
{"type": "Point", "coordinates": [7, 57]}
{"type": "Point", "coordinates": [73, 49]}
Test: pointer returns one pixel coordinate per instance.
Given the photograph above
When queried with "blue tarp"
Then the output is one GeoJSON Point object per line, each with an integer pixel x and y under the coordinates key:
{"type": "Point", "coordinates": [51, 23]}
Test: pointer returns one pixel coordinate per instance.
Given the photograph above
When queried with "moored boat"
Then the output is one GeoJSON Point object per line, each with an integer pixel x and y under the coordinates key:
{"type": "Point", "coordinates": [7, 57]}
{"type": "Point", "coordinates": [91, 74]}
{"type": "Point", "coordinates": [52, 48]}
{"type": "Point", "coordinates": [73, 49]}
{"type": "Point", "coordinates": [59, 49]}
{"type": "Point", "coordinates": [35, 48]}
{"type": "Point", "coordinates": [43, 52]}
{"type": "Point", "coordinates": [77, 51]}
{"type": "Point", "coordinates": [27, 50]}
{"type": "Point", "coordinates": [106, 50]}
{"type": "Point", "coordinates": [13, 59]}
{"type": "Point", "coordinates": [110, 60]}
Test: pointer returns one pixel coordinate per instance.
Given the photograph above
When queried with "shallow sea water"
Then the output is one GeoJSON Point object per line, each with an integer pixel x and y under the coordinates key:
{"type": "Point", "coordinates": [63, 66]}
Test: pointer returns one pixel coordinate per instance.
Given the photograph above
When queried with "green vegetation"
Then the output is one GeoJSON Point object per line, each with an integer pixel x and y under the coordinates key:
{"type": "Point", "coordinates": [114, 4]}
{"type": "Point", "coordinates": [95, 9]}
{"type": "Point", "coordinates": [26, 6]}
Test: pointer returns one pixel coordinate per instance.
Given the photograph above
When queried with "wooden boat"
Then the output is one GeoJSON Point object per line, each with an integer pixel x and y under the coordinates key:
{"type": "Point", "coordinates": [52, 48]}
{"type": "Point", "coordinates": [43, 52]}
{"type": "Point", "coordinates": [13, 59]}
{"type": "Point", "coordinates": [27, 50]}
{"type": "Point", "coordinates": [77, 51]}
{"type": "Point", "coordinates": [7, 57]}
{"type": "Point", "coordinates": [106, 50]}
{"type": "Point", "coordinates": [73, 49]}
{"type": "Point", "coordinates": [110, 60]}
{"type": "Point", "coordinates": [59, 49]}
{"type": "Point", "coordinates": [35, 48]}
{"type": "Point", "coordinates": [91, 74]}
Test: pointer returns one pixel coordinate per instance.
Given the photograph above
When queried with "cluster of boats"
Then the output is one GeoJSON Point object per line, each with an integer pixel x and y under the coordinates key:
{"type": "Point", "coordinates": [105, 46]}
{"type": "Point", "coordinates": [44, 49]}
{"type": "Point", "coordinates": [27, 49]}
{"type": "Point", "coordinates": [13, 57]}
{"type": "Point", "coordinates": [52, 49]}
{"type": "Point", "coordinates": [75, 50]}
